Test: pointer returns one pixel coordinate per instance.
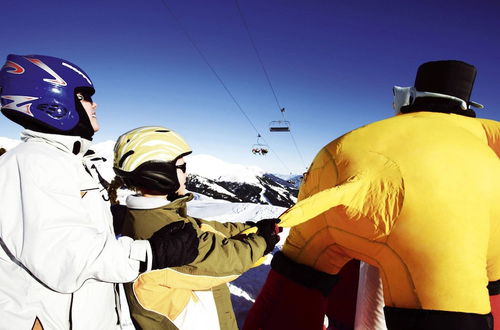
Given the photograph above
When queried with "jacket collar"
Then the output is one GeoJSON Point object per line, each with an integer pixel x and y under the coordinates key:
{"type": "Point", "coordinates": [139, 202]}
{"type": "Point", "coordinates": [67, 143]}
{"type": "Point", "coordinates": [181, 201]}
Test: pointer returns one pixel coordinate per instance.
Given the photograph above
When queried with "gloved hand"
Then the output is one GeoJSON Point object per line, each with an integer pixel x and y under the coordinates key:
{"type": "Point", "coordinates": [264, 222]}
{"type": "Point", "coordinates": [268, 229]}
{"type": "Point", "coordinates": [175, 244]}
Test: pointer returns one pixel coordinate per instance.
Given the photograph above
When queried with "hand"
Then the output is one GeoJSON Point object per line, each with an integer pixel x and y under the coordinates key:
{"type": "Point", "coordinates": [265, 222]}
{"type": "Point", "coordinates": [268, 229]}
{"type": "Point", "coordinates": [175, 244]}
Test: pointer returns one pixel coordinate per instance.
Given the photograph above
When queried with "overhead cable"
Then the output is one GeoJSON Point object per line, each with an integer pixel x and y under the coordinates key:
{"type": "Point", "coordinates": [193, 43]}
{"type": "Point", "coordinates": [281, 109]}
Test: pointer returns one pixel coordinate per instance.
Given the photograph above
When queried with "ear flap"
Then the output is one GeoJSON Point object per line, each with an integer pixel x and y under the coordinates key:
{"type": "Point", "coordinates": [155, 175]}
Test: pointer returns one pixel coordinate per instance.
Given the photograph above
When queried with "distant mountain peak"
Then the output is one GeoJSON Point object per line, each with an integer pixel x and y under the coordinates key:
{"type": "Point", "coordinates": [214, 168]}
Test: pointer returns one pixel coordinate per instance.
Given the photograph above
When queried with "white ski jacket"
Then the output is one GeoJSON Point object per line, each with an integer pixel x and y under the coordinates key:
{"type": "Point", "coordinates": [59, 256]}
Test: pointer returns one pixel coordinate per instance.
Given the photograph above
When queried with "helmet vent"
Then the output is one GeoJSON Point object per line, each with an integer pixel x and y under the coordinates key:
{"type": "Point", "coordinates": [55, 111]}
{"type": "Point", "coordinates": [120, 163]}
{"type": "Point", "coordinates": [162, 130]}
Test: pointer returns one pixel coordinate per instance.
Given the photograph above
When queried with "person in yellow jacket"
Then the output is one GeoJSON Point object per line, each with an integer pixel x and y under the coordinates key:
{"type": "Point", "coordinates": [417, 196]}
{"type": "Point", "coordinates": [151, 161]}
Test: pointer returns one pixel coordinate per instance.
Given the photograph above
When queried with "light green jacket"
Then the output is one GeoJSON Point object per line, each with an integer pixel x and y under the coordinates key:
{"type": "Point", "coordinates": [160, 299]}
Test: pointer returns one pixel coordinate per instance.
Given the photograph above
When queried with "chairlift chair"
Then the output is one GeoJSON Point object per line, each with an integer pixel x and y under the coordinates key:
{"type": "Point", "coordinates": [260, 148]}
{"type": "Point", "coordinates": [279, 126]}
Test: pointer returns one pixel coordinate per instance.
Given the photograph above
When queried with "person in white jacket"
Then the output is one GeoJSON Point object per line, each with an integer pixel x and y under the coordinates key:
{"type": "Point", "coordinates": [59, 257]}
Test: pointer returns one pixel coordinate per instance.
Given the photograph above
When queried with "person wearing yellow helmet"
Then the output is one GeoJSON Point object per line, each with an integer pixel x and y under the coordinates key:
{"type": "Point", "coordinates": [150, 160]}
{"type": "Point", "coordinates": [147, 158]}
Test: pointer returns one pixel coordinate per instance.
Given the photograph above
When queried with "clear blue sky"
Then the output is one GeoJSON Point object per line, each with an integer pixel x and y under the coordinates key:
{"type": "Point", "coordinates": [332, 64]}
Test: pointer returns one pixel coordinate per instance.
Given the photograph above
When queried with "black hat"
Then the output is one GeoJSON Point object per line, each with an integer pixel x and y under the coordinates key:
{"type": "Point", "coordinates": [452, 78]}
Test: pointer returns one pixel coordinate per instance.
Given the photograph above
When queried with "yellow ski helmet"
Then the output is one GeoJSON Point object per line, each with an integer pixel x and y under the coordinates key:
{"type": "Point", "coordinates": [145, 158]}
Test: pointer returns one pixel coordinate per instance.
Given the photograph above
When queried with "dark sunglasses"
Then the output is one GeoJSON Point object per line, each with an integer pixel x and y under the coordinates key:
{"type": "Point", "coordinates": [181, 167]}
{"type": "Point", "coordinates": [84, 97]}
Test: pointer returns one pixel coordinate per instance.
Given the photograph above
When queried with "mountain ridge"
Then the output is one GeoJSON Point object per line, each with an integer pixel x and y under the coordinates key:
{"type": "Point", "coordinates": [213, 177]}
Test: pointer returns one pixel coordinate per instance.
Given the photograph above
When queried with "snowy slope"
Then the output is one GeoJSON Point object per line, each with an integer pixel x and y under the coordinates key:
{"type": "Point", "coordinates": [215, 169]}
{"type": "Point", "coordinates": [244, 289]}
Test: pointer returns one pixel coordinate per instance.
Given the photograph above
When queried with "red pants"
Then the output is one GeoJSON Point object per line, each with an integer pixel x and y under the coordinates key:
{"type": "Point", "coordinates": [304, 308]}
{"type": "Point", "coordinates": [495, 310]}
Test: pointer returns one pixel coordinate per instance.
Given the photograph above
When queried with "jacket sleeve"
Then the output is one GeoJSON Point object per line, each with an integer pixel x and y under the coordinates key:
{"type": "Point", "coordinates": [227, 229]}
{"type": "Point", "coordinates": [220, 260]}
{"type": "Point", "coordinates": [218, 256]}
{"type": "Point", "coordinates": [56, 239]}
{"type": "Point", "coordinates": [223, 256]}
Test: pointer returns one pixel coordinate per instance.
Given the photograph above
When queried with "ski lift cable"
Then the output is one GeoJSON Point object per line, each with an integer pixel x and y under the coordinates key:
{"type": "Point", "coordinates": [298, 151]}
{"type": "Point", "coordinates": [282, 110]}
{"type": "Point", "coordinates": [258, 56]}
{"type": "Point", "coordinates": [193, 43]}
{"type": "Point", "coordinates": [209, 65]}
{"type": "Point", "coordinates": [276, 154]}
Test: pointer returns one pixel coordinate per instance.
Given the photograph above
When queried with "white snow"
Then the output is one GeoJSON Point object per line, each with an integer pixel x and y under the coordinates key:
{"type": "Point", "coordinates": [236, 212]}
{"type": "Point", "coordinates": [8, 143]}
{"type": "Point", "coordinates": [245, 288]}
{"type": "Point", "coordinates": [216, 169]}
{"type": "Point", "coordinates": [215, 187]}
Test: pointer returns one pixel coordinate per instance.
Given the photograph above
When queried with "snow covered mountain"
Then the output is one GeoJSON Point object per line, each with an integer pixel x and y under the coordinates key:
{"type": "Point", "coordinates": [216, 178]}
{"type": "Point", "coordinates": [237, 183]}
{"type": "Point", "coordinates": [245, 288]}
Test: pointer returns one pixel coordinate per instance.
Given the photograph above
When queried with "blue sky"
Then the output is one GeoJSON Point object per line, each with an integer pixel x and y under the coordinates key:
{"type": "Point", "coordinates": [332, 64]}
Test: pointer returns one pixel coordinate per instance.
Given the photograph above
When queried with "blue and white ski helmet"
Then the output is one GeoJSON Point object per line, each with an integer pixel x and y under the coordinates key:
{"type": "Point", "coordinates": [39, 93]}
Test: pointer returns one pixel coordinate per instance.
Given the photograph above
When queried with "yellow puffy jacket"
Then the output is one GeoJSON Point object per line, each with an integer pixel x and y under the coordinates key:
{"type": "Point", "coordinates": [416, 195]}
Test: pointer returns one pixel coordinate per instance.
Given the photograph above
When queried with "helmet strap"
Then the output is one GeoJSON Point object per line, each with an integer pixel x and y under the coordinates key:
{"type": "Point", "coordinates": [84, 127]}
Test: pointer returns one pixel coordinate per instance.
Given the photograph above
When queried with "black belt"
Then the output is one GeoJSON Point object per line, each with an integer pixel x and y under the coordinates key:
{"type": "Point", "coordinates": [494, 288]}
{"type": "Point", "coordinates": [303, 274]}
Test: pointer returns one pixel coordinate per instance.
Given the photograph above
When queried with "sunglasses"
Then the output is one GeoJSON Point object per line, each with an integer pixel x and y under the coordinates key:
{"type": "Point", "coordinates": [84, 97]}
{"type": "Point", "coordinates": [181, 167]}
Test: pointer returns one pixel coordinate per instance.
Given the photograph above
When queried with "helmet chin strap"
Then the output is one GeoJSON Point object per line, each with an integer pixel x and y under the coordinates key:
{"type": "Point", "coordinates": [84, 127]}
{"type": "Point", "coordinates": [174, 196]}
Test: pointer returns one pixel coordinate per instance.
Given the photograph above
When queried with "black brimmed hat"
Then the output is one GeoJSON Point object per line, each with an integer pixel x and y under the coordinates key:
{"type": "Point", "coordinates": [444, 86]}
